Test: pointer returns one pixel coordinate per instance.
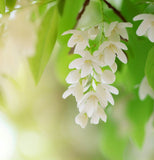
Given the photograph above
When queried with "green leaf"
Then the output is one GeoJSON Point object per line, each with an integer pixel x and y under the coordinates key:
{"type": "Point", "coordinates": [139, 113]}
{"type": "Point", "coordinates": [47, 35]}
{"type": "Point", "coordinates": [149, 68]}
{"type": "Point", "coordinates": [10, 4]}
{"type": "Point", "coordinates": [61, 4]}
{"type": "Point", "coordinates": [113, 144]}
{"type": "Point", "coordinates": [68, 19]}
{"type": "Point", "coordinates": [2, 6]}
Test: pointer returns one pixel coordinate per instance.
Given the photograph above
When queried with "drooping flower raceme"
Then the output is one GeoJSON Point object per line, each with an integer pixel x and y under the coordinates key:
{"type": "Point", "coordinates": [147, 26]}
{"type": "Point", "coordinates": [94, 72]}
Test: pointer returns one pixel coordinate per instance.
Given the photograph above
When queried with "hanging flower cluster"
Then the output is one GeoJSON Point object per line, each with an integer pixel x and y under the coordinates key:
{"type": "Point", "coordinates": [94, 72]}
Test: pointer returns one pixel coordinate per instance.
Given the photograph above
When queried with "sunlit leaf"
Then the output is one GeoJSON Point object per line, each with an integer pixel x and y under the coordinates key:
{"type": "Point", "coordinates": [2, 6]}
{"type": "Point", "coordinates": [46, 40]}
{"type": "Point", "coordinates": [10, 4]}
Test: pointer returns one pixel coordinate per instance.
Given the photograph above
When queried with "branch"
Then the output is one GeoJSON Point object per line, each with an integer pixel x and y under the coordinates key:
{"type": "Point", "coordinates": [81, 12]}
{"type": "Point", "coordinates": [115, 11]}
{"type": "Point", "coordinates": [83, 9]}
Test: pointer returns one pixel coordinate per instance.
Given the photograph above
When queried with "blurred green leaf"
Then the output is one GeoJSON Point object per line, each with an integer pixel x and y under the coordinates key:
{"type": "Point", "coordinates": [10, 4]}
{"type": "Point", "coordinates": [138, 47]}
{"type": "Point", "coordinates": [68, 19]}
{"type": "Point", "coordinates": [139, 113]}
{"type": "Point", "coordinates": [2, 6]}
{"type": "Point", "coordinates": [61, 4]}
{"type": "Point", "coordinates": [149, 68]}
{"type": "Point", "coordinates": [47, 35]}
{"type": "Point", "coordinates": [113, 144]}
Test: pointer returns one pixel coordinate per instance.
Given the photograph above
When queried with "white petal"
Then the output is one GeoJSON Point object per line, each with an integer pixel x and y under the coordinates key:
{"type": "Point", "coordinates": [151, 34]}
{"type": "Point", "coordinates": [145, 89]}
{"type": "Point", "coordinates": [109, 56]}
{"type": "Point", "coordinates": [81, 119]}
{"type": "Point", "coordinates": [110, 29]}
{"type": "Point", "coordinates": [142, 29]}
{"type": "Point", "coordinates": [78, 92]}
{"type": "Point", "coordinates": [120, 45]}
{"type": "Point", "coordinates": [97, 68]}
{"type": "Point", "coordinates": [86, 70]}
{"type": "Point", "coordinates": [123, 33]}
{"type": "Point", "coordinates": [142, 16]}
{"type": "Point", "coordinates": [125, 24]}
{"type": "Point", "coordinates": [121, 55]}
{"type": "Point", "coordinates": [77, 63]}
{"type": "Point", "coordinates": [71, 32]}
{"type": "Point", "coordinates": [72, 41]}
{"type": "Point", "coordinates": [112, 89]}
{"type": "Point", "coordinates": [114, 67]}
{"type": "Point", "coordinates": [73, 77]}
{"type": "Point", "coordinates": [68, 92]}
{"type": "Point", "coordinates": [108, 77]}
{"type": "Point", "coordinates": [109, 98]}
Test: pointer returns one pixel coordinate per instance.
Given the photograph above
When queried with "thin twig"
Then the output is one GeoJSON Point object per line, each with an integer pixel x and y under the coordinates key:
{"type": "Point", "coordinates": [118, 13]}
{"type": "Point", "coordinates": [81, 12]}
{"type": "Point", "coordinates": [83, 9]}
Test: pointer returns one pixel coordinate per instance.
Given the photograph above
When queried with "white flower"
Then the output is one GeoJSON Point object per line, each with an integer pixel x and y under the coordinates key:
{"type": "Point", "coordinates": [86, 64]}
{"type": "Point", "coordinates": [73, 77]}
{"type": "Point", "coordinates": [81, 119]}
{"type": "Point", "coordinates": [98, 114]}
{"type": "Point", "coordinates": [107, 77]}
{"type": "Point", "coordinates": [147, 26]}
{"type": "Point", "coordinates": [116, 29]}
{"type": "Point", "coordinates": [74, 89]}
{"type": "Point", "coordinates": [110, 49]}
{"type": "Point", "coordinates": [80, 39]}
{"type": "Point", "coordinates": [104, 91]}
{"type": "Point", "coordinates": [145, 89]}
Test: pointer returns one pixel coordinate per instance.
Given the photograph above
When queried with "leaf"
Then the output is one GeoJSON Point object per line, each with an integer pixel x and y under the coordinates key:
{"type": "Point", "coordinates": [68, 19]}
{"type": "Point", "coordinates": [47, 35]}
{"type": "Point", "coordinates": [61, 4]}
{"type": "Point", "coordinates": [2, 6]}
{"type": "Point", "coordinates": [149, 68]}
{"type": "Point", "coordinates": [113, 144]}
{"type": "Point", "coordinates": [139, 113]}
{"type": "Point", "coordinates": [10, 4]}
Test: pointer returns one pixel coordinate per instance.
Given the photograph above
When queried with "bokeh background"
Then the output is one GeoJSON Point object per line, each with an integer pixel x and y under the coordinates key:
{"type": "Point", "coordinates": [36, 123]}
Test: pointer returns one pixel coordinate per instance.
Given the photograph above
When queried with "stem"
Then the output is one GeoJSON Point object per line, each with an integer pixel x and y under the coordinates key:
{"type": "Point", "coordinates": [81, 12]}
{"type": "Point", "coordinates": [118, 13]}
{"type": "Point", "coordinates": [83, 9]}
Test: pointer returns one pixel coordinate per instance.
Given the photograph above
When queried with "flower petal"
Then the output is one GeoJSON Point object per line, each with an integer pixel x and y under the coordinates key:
{"type": "Point", "coordinates": [81, 119]}
{"type": "Point", "coordinates": [77, 63]}
{"type": "Point", "coordinates": [73, 77]}
{"type": "Point", "coordinates": [108, 77]}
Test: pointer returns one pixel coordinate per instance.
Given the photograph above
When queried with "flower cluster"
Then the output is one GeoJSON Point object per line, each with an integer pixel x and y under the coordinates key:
{"type": "Point", "coordinates": [147, 26]}
{"type": "Point", "coordinates": [94, 72]}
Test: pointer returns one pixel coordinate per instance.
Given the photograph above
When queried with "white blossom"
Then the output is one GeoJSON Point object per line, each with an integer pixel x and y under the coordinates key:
{"type": "Point", "coordinates": [145, 89]}
{"type": "Point", "coordinates": [81, 119]}
{"type": "Point", "coordinates": [80, 39]}
{"type": "Point", "coordinates": [147, 26]}
{"type": "Point", "coordinates": [87, 63]}
{"type": "Point", "coordinates": [74, 89]}
{"type": "Point", "coordinates": [116, 29]}
{"type": "Point", "coordinates": [110, 50]}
